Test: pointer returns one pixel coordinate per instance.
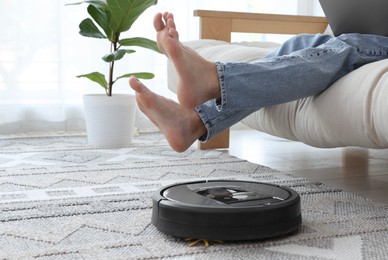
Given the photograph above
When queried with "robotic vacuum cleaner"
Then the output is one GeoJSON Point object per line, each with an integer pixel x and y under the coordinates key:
{"type": "Point", "coordinates": [226, 210]}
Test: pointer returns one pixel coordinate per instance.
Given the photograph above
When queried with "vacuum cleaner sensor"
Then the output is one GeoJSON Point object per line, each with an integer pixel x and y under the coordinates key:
{"type": "Point", "coordinates": [226, 210]}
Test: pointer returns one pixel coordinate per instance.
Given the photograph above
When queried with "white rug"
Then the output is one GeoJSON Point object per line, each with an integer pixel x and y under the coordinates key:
{"type": "Point", "coordinates": [62, 199]}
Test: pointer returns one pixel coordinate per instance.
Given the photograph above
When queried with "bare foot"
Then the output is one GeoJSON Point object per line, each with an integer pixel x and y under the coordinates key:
{"type": "Point", "coordinates": [198, 78]}
{"type": "Point", "coordinates": [181, 126]}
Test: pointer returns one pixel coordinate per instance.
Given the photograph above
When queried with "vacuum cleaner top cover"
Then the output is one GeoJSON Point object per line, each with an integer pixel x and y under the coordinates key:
{"type": "Point", "coordinates": [226, 210]}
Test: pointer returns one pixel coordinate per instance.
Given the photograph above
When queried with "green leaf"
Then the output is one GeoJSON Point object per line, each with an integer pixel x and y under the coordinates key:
{"type": "Point", "coordinates": [140, 75]}
{"type": "Point", "coordinates": [117, 55]}
{"type": "Point", "coordinates": [96, 77]}
{"type": "Point", "coordinates": [101, 17]}
{"type": "Point", "coordinates": [125, 12]}
{"type": "Point", "coordinates": [89, 29]}
{"type": "Point", "coordinates": [141, 42]}
{"type": "Point", "coordinates": [96, 3]}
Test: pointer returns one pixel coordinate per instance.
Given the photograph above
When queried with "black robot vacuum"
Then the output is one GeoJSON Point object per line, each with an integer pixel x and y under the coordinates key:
{"type": "Point", "coordinates": [226, 210]}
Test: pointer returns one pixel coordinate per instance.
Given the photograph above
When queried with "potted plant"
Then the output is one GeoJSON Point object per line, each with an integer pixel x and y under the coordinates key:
{"type": "Point", "coordinates": [108, 20]}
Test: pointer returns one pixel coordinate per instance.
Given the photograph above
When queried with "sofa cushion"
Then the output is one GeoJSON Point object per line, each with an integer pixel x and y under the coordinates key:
{"type": "Point", "coordinates": [352, 112]}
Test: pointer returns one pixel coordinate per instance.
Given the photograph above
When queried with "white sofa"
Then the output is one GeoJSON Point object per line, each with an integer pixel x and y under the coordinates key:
{"type": "Point", "coordinates": [352, 112]}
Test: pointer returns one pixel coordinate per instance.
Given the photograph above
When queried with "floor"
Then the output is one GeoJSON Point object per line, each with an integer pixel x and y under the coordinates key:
{"type": "Point", "coordinates": [356, 170]}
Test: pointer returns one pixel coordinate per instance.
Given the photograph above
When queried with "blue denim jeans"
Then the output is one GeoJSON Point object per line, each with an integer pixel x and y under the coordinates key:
{"type": "Point", "coordinates": [303, 66]}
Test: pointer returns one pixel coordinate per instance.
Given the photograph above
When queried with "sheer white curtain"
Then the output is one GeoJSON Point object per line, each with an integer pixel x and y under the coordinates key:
{"type": "Point", "coordinates": [41, 52]}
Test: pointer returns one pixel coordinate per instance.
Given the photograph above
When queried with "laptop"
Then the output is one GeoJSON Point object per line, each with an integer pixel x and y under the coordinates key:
{"type": "Point", "coordinates": [357, 16]}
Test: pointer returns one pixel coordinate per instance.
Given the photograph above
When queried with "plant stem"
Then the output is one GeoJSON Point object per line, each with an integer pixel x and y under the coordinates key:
{"type": "Point", "coordinates": [111, 67]}
{"type": "Point", "coordinates": [110, 83]}
{"type": "Point", "coordinates": [113, 48]}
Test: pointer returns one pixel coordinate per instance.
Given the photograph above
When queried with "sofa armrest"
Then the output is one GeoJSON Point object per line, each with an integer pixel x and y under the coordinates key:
{"type": "Point", "coordinates": [219, 25]}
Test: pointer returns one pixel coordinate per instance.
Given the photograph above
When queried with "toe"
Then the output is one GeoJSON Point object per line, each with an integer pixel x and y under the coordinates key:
{"type": "Point", "coordinates": [170, 21]}
{"type": "Point", "coordinates": [173, 33]}
{"type": "Point", "coordinates": [135, 84]}
{"type": "Point", "coordinates": [158, 23]}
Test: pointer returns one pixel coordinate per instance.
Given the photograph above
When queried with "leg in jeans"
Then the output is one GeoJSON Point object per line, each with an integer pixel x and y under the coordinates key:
{"type": "Point", "coordinates": [304, 66]}
{"type": "Point", "coordinates": [224, 93]}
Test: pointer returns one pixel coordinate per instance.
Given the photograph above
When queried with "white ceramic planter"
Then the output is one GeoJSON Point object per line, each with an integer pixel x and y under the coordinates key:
{"type": "Point", "coordinates": [110, 120]}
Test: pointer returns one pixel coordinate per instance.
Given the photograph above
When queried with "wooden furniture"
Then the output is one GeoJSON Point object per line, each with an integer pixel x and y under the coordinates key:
{"type": "Point", "coordinates": [219, 25]}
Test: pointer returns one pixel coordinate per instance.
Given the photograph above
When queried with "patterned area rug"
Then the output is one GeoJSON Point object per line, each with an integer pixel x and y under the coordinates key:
{"type": "Point", "coordinates": [63, 199]}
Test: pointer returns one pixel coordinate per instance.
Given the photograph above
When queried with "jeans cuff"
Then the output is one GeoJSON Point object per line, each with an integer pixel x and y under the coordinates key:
{"type": "Point", "coordinates": [221, 104]}
{"type": "Point", "coordinates": [202, 115]}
